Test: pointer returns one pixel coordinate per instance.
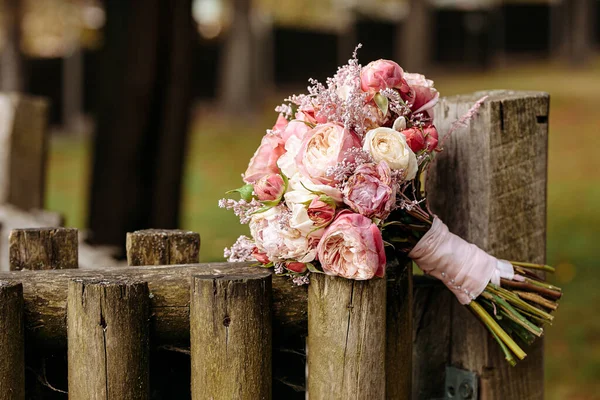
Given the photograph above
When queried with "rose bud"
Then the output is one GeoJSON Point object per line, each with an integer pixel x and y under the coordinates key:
{"type": "Point", "coordinates": [321, 211]}
{"type": "Point", "coordinates": [270, 187]}
{"type": "Point", "coordinates": [260, 257]}
{"type": "Point", "coordinates": [414, 139]}
{"type": "Point", "coordinates": [296, 266]}
{"type": "Point", "coordinates": [431, 137]}
{"type": "Point", "coordinates": [382, 74]}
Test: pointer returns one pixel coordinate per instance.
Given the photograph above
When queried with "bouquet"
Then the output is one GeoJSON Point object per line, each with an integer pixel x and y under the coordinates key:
{"type": "Point", "coordinates": [340, 176]}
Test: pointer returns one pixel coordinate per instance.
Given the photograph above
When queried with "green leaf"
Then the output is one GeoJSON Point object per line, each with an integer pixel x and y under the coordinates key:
{"type": "Point", "coordinates": [313, 269]}
{"type": "Point", "coordinates": [245, 192]}
{"type": "Point", "coordinates": [382, 102]}
{"type": "Point", "coordinates": [261, 210]}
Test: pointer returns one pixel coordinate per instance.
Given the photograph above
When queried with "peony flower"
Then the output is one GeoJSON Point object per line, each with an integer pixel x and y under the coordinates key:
{"type": "Point", "coordinates": [324, 147]}
{"type": "Point", "coordinates": [352, 247]}
{"type": "Point", "coordinates": [275, 237]}
{"type": "Point", "coordinates": [265, 158]}
{"type": "Point", "coordinates": [295, 266]}
{"type": "Point", "coordinates": [431, 137]}
{"type": "Point", "coordinates": [414, 139]}
{"type": "Point", "coordinates": [386, 144]}
{"type": "Point", "coordinates": [422, 96]}
{"type": "Point", "coordinates": [321, 211]}
{"type": "Point", "coordinates": [382, 74]}
{"type": "Point", "coordinates": [294, 128]}
{"type": "Point", "coordinates": [370, 191]}
{"type": "Point", "coordinates": [270, 187]}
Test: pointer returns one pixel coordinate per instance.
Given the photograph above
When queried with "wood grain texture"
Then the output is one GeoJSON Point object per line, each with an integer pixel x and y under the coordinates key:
{"type": "Point", "coordinates": [163, 247]}
{"type": "Point", "coordinates": [399, 332]}
{"type": "Point", "coordinates": [489, 187]}
{"type": "Point", "coordinates": [12, 356]}
{"type": "Point", "coordinates": [230, 318]}
{"type": "Point", "coordinates": [23, 150]}
{"type": "Point", "coordinates": [45, 294]}
{"type": "Point", "coordinates": [43, 248]}
{"type": "Point", "coordinates": [346, 338]}
{"type": "Point", "coordinates": [108, 339]}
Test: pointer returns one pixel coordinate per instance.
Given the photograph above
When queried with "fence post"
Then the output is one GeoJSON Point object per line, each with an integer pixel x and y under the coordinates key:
{"type": "Point", "coordinates": [346, 338]}
{"type": "Point", "coordinates": [43, 248]}
{"type": "Point", "coordinates": [162, 247]}
{"type": "Point", "coordinates": [230, 334]}
{"type": "Point", "coordinates": [23, 150]}
{"type": "Point", "coordinates": [107, 328]}
{"type": "Point", "coordinates": [489, 187]}
{"type": "Point", "coordinates": [12, 356]}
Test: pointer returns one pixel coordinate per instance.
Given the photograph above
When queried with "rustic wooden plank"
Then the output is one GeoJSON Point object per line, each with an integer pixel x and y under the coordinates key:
{"type": "Point", "coordinates": [108, 339]}
{"type": "Point", "coordinates": [12, 359]}
{"type": "Point", "coordinates": [23, 150]}
{"type": "Point", "coordinates": [399, 332]}
{"type": "Point", "coordinates": [230, 319]}
{"type": "Point", "coordinates": [163, 247]}
{"type": "Point", "coordinates": [489, 187]}
{"type": "Point", "coordinates": [43, 248]}
{"type": "Point", "coordinates": [346, 338]}
{"type": "Point", "coordinates": [45, 294]}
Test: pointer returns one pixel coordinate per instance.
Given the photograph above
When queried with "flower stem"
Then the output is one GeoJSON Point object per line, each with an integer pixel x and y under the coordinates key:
{"type": "Point", "coordinates": [541, 267]}
{"type": "Point", "coordinates": [493, 326]}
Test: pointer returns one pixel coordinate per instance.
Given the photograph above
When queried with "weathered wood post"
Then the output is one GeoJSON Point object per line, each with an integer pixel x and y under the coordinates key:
{"type": "Point", "coordinates": [230, 334]}
{"type": "Point", "coordinates": [43, 248]}
{"type": "Point", "coordinates": [346, 338]}
{"type": "Point", "coordinates": [108, 339]}
{"type": "Point", "coordinates": [12, 355]}
{"type": "Point", "coordinates": [489, 187]}
{"type": "Point", "coordinates": [23, 150]}
{"type": "Point", "coordinates": [163, 247]}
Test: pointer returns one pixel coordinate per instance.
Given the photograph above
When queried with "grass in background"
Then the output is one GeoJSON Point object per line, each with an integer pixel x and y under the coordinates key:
{"type": "Point", "coordinates": [219, 151]}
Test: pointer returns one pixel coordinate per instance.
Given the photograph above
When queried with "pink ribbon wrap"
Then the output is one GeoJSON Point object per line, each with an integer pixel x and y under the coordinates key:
{"type": "Point", "coordinates": [463, 267]}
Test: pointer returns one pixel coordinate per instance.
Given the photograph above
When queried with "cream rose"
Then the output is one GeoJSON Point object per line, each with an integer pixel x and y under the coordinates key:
{"type": "Point", "coordinates": [386, 144]}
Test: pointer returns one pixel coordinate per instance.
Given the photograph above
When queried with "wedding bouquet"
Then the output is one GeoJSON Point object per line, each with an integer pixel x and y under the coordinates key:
{"type": "Point", "coordinates": [340, 176]}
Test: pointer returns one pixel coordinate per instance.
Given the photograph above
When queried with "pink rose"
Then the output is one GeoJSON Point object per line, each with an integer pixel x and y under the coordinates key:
{"type": "Point", "coordinates": [265, 158]}
{"type": "Point", "coordinates": [294, 129]}
{"type": "Point", "coordinates": [370, 191]}
{"type": "Point", "coordinates": [422, 96]}
{"type": "Point", "coordinates": [352, 247]}
{"type": "Point", "coordinates": [320, 212]}
{"type": "Point", "coordinates": [270, 187]}
{"type": "Point", "coordinates": [323, 148]}
{"type": "Point", "coordinates": [280, 124]}
{"type": "Point", "coordinates": [309, 114]}
{"type": "Point", "coordinates": [260, 257]}
{"type": "Point", "coordinates": [295, 266]}
{"type": "Point", "coordinates": [414, 139]}
{"type": "Point", "coordinates": [382, 74]}
{"type": "Point", "coordinates": [431, 137]}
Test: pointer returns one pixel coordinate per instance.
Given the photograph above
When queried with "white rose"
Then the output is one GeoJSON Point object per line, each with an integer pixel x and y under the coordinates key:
{"type": "Point", "coordinates": [275, 237]}
{"type": "Point", "coordinates": [386, 144]}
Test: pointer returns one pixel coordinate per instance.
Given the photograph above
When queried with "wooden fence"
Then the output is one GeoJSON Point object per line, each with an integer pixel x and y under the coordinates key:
{"type": "Point", "coordinates": [168, 327]}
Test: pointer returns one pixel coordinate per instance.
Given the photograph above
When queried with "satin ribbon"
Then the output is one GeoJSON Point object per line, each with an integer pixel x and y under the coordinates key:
{"type": "Point", "coordinates": [463, 267]}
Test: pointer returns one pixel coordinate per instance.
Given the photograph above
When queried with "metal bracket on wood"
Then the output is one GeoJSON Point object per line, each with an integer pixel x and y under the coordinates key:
{"type": "Point", "coordinates": [461, 384]}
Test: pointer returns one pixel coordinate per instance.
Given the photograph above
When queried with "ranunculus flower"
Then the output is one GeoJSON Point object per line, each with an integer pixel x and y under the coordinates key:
{"type": "Point", "coordinates": [275, 237]}
{"type": "Point", "coordinates": [414, 139]}
{"type": "Point", "coordinates": [352, 247]}
{"type": "Point", "coordinates": [431, 137]}
{"type": "Point", "coordinates": [321, 211]}
{"type": "Point", "coordinates": [422, 96]}
{"type": "Point", "coordinates": [260, 257]}
{"type": "Point", "coordinates": [386, 144]}
{"type": "Point", "coordinates": [295, 266]}
{"type": "Point", "coordinates": [270, 187]}
{"type": "Point", "coordinates": [265, 158]}
{"type": "Point", "coordinates": [324, 147]}
{"type": "Point", "coordinates": [370, 191]}
{"type": "Point", "coordinates": [382, 74]}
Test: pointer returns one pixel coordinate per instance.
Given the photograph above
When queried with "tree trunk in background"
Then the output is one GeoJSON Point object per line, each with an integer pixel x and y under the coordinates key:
{"type": "Point", "coordinates": [414, 40]}
{"type": "Point", "coordinates": [236, 75]}
{"type": "Point", "coordinates": [572, 30]}
{"type": "Point", "coordinates": [142, 118]}
{"type": "Point", "coordinates": [11, 62]}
